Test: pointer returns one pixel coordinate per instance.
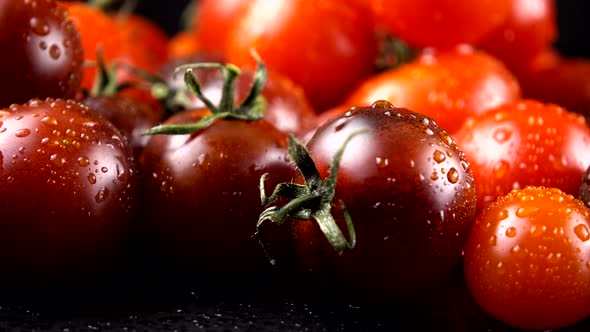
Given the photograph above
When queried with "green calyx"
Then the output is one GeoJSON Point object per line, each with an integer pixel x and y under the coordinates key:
{"type": "Point", "coordinates": [251, 109]}
{"type": "Point", "coordinates": [106, 83]}
{"type": "Point", "coordinates": [313, 200]}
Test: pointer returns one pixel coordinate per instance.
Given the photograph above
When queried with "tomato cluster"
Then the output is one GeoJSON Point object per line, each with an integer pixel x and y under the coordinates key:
{"type": "Point", "coordinates": [469, 151]}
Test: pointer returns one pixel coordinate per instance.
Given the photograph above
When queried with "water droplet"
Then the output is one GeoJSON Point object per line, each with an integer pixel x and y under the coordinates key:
{"type": "Point", "coordinates": [582, 232]}
{"type": "Point", "coordinates": [502, 135]}
{"type": "Point", "coordinates": [439, 156]}
{"type": "Point", "coordinates": [22, 132]}
{"type": "Point", "coordinates": [57, 160]}
{"type": "Point", "coordinates": [434, 176]}
{"type": "Point", "coordinates": [502, 215]}
{"type": "Point", "coordinates": [49, 120]}
{"type": "Point", "coordinates": [453, 175]}
{"type": "Point", "coordinates": [382, 104]}
{"type": "Point", "coordinates": [537, 231]}
{"type": "Point", "coordinates": [83, 161]}
{"type": "Point", "coordinates": [525, 212]}
{"type": "Point", "coordinates": [91, 178]}
{"type": "Point", "coordinates": [43, 45]}
{"type": "Point", "coordinates": [493, 240]}
{"type": "Point", "coordinates": [104, 169]}
{"type": "Point", "coordinates": [511, 232]}
{"type": "Point", "coordinates": [515, 249]}
{"type": "Point", "coordinates": [39, 26]}
{"type": "Point", "coordinates": [102, 195]}
{"type": "Point", "coordinates": [381, 162]}
{"type": "Point", "coordinates": [54, 52]}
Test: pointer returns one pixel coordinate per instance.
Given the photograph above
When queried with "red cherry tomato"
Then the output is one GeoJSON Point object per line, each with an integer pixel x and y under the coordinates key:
{"type": "Point", "coordinates": [525, 143]}
{"type": "Point", "coordinates": [527, 259]}
{"type": "Point", "coordinates": [447, 86]}
{"type": "Point", "coordinates": [440, 23]}
{"type": "Point", "coordinates": [68, 184]}
{"type": "Point", "coordinates": [337, 44]}
{"type": "Point", "coordinates": [42, 53]}
{"type": "Point", "coordinates": [531, 27]}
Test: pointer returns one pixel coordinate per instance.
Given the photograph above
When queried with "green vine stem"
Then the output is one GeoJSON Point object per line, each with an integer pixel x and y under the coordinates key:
{"type": "Point", "coordinates": [312, 200]}
{"type": "Point", "coordinates": [251, 109]}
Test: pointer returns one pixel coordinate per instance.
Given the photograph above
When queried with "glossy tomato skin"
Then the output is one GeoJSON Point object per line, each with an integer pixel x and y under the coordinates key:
{"type": "Point", "coordinates": [337, 44]}
{"type": "Point", "coordinates": [287, 105]}
{"type": "Point", "coordinates": [410, 195]}
{"type": "Point", "coordinates": [525, 143]}
{"type": "Point", "coordinates": [531, 28]}
{"type": "Point", "coordinates": [441, 24]}
{"type": "Point", "coordinates": [132, 118]}
{"type": "Point", "coordinates": [42, 54]}
{"type": "Point", "coordinates": [527, 259]}
{"type": "Point", "coordinates": [68, 184]}
{"type": "Point", "coordinates": [447, 86]}
{"type": "Point", "coordinates": [202, 199]}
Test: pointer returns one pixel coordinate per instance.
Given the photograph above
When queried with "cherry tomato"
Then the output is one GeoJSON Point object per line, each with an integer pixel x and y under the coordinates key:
{"type": "Point", "coordinates": [337, 44]}
{"type": "Point", "coordinates": [553, 78]}
{"type": "Point", "coordinates": [440, 23]}
{"type": "Point", "coordinates": [211, 21]}
{"type": "Point", "coordinates": [183, 44]}
{"type": "Point", "coordinates": [69, 190]}
{"type": "Point", "coordinates": [531, 27]}
{"type": "Point", "coordinates": [525, 143]}
{"type": "Point", "coordinates": [131, 40]}
{"type": "Point", "coordinates": [201, 193]}
{"type": "Point", "coordinates": [42, 54]}
{"type": "Point", "coordinates": [447, 86]}
{"type": "Point", "coordinates": [527, 259]}
{"type": "Point", "coordinates": [410, 195]}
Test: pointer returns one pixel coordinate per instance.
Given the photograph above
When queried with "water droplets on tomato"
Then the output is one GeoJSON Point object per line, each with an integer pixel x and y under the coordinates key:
{"type": "Point", "coordinates": [582, 232]}
{"type": "Point", "coordinates": [381, 162]}
{"type": "Point", "coordinates": [453, 175]}
{"type": "Point", "coordinates": [439, 156]}
{"type": "Point", "coordinates": [39, 26]}
{"type": "Point", "coordinates": [102, 195]}
{"type": "Point", "coordinates": [511, 232]}
{"type": "Point", "coordinates": [22, 132]}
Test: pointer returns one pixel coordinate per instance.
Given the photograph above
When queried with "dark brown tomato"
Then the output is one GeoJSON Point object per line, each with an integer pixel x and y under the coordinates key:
{"type": "Point", "coordinates": [411, 197]}
{"type": "Point", "coordinates": [41, 52]}
{"type": "Point", "coordinates": [201, 194]}
{"type": "Point", "coordinates": [128, 115]}
{"type": "Point", "coordinates": [288, 108]}
{"type": "Point", "coordinates": [68, 191]}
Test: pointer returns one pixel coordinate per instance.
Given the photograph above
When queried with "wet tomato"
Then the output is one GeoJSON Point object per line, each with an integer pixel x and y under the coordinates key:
{"type": "Point", "coordinates": [69, 190]}
{"type": "Point", "coordinates": [527, 259]}
{"type": "Point", "coordinates": [410, 194]}
{"type": "Point", "coordinates": [447, 86]}
{"type": "Point", "coordinates": [201, 193]}
{"type": "Point", "coordinates": [525, 143]}
{"type": "Point", "coordinates": [42, 53]}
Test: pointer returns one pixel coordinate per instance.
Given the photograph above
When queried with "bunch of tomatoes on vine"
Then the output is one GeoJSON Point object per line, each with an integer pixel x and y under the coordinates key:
{"type": "Point", "coordinates": [372, 147]}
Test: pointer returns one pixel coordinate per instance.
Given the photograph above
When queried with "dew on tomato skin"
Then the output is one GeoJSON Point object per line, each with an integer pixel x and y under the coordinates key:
{"type": "Point", "coordinates": [511, 232]}
{"type": "Point", "coordinates": [54, 52]}
{"type": "Point", "coordinates": [502, 135]}
{"type": "Point", "coordinates": [453, 175]}
{"type": "Point", "coordinates": [582, 232]}
{"type": "Point", "coordinates": [382, 104]}
{"type": "Point", "coordinates": [493, 240]}
{"type": "Point", "coordinates": [102, 195]}
{"type": "Point", "coordinates": [524, 212]}
{"type": "Point", "coordinates": [104, 169]}
{"type": "Point", "coordinates": [502, 215]}
{"type": "Point", "coordinates": [439, 156]}
{"type": "Point", "coordinates": [434, 176]}
{"type": "Point", "coordinates": [39, 26]}
{"type": "Point", "coordinates": [91, 178]}
{"type": "Point", "coordinates": [381, 162]}
{"type": "Point", "coordinates": [22, 132]}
